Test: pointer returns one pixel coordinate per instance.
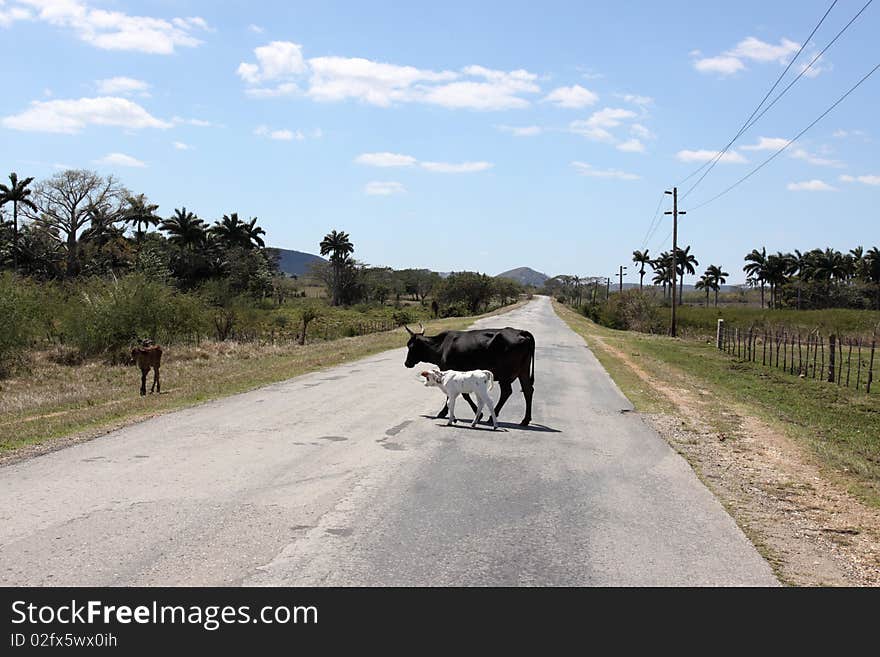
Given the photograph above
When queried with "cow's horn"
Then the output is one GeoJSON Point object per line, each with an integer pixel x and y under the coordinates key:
{"type": "Point", "coordinates": [422, 332]}
{"type": "Point", "coordinates": [408, 329]}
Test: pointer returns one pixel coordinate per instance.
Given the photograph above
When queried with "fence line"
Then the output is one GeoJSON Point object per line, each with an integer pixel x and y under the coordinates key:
{"type": "Point", "coordinates": [803, 355]}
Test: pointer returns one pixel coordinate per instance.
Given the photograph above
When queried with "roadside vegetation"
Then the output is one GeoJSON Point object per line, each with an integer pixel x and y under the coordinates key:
{"type": "Point", "coordinates": [838, 426]}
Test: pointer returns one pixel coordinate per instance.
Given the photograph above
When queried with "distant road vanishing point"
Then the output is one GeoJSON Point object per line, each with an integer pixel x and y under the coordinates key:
{"type": "Point", "coordinates": [344, 477]}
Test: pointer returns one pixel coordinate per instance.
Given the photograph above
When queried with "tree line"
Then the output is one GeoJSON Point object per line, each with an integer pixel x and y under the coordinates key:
{"type": "Point", "coordinates": [815, 279]}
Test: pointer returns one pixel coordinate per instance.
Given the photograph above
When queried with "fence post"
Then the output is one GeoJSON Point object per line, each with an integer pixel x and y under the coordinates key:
{"type": "Point", "coordinates": [859, 368]}
{"type": "Point", "coordinates": [718, 333]}
{"type": "Point", "coordinates": [871, 367]}
{"type": "Point", "coordinates": [848, 362]}
{"type": "Point", "coordinates": [831, 351]}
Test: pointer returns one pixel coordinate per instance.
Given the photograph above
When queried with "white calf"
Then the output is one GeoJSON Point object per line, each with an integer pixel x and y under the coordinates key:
{"type": "Point", "coordinates": [475, 382]}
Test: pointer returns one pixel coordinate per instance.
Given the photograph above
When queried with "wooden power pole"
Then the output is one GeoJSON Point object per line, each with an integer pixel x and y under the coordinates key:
{"type": "Point", "coordinates": [675, 212]}
{"type": "Point", "coordinates": [620, 274]}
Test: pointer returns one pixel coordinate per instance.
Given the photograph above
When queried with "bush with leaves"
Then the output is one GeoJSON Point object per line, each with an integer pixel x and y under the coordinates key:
{"type": "Point", "coordinates": [110, 315]}
{"type": "Point", "coordinates": [19, 320]}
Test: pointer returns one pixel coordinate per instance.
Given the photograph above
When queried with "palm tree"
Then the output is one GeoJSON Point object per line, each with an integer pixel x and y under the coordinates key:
{"type": "Point", "coordinates": [232, 231]}
{"type": "Point", "coordinates": [185, 229]}
{"type": "Point", "coordinates": [254, 233]}
{"type": "Point", "coordinates": [756, 269]}
{"type": "Point", "coordinates": [872, 270]}
{"type": "Point", "coordinates": [339, 247]}
{"type": "Point", "coordinates": [17, 193]}
{"type": "Point", "coordinates": [140, 214]}
{"type": "Point", "coordinates": [685, 263]}
{"type": "Point", "coordinates": [704, 283]}
{"type": "Point", "coordinates": [662, 266]}
{"type": "Point", "coordinates": [718, 277]}
{"type": "Point", "coordinates": [641, 258]}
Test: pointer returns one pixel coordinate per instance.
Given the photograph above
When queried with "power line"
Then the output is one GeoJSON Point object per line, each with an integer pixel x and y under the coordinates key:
{"type": "Point", "coordinates": [711, 164]}
{"type": "Point", "coordinates": [790, 142]}
{"type": "Point", "coordinates": [652, 227]}
{"type": "Point", "coordinates": [808, 66]}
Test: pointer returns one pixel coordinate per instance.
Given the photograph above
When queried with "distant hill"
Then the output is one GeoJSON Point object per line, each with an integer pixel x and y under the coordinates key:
{"type": "Point", "coordinates": [295, 263]}
{"type": "Point", "coordinates": [525, 276]}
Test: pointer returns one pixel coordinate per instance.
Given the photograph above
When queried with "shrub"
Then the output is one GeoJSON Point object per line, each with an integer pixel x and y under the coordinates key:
{"type": "Point", "coordinates": [631, 310]}
{"type": "Point", "coordinates": [109, 315]}
{"type": "Point", "coordinates": [19, 320]}
{"type": "Point", "coordinates": [401, 317]}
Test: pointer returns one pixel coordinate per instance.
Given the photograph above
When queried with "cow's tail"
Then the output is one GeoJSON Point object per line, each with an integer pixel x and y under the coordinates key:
{"type": "Point", "coordinates": [491, 379]}
{"type": "Point", "coordinates": [532, 358]}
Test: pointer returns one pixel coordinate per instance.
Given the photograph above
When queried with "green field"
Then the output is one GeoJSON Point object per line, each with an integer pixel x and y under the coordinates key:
{"type": "Point", "coordinates": [699, 321]}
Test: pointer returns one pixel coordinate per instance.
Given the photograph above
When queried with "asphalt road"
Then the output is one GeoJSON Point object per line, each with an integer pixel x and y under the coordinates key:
{"type": "Point", "coordinates": [343, 477]}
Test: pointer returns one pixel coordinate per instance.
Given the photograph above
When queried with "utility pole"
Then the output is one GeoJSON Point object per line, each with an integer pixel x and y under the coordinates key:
{"type": "Point", "coordinates": [675, 212]}
{"type": "Point", "coordinates": [607, 288]}
{"type": "Point", "coordinates": [620, 274]}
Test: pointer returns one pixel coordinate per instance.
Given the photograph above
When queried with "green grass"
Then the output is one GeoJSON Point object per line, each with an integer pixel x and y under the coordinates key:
{"type": "Point", "coordinates": [840, 426]}
{"type": "Point", "coordinates": [52, 401]}
{"type": "Point", "coordinates": [695, 320]}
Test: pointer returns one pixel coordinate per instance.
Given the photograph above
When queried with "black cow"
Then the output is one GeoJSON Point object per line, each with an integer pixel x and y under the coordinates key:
{"type": "Point", "coordinates": [508, 353]}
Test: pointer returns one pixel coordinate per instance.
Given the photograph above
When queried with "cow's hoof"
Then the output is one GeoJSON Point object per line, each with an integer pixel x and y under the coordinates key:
{"type": "Point", "coordinates": [525, 422]}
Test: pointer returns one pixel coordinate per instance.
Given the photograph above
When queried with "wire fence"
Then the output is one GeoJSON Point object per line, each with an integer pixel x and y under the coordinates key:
{"type": "Point", "coordinates": [837, 359]}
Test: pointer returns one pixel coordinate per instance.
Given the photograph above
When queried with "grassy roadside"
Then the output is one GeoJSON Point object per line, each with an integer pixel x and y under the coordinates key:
{"type": "Point", "coordinates": [839, 427]}
{"type": "Point", "coordinates": [57, 401]}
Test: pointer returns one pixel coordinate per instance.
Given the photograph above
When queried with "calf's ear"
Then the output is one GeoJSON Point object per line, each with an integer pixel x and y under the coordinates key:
{"type": "Point", "coordinates": [424, 374]}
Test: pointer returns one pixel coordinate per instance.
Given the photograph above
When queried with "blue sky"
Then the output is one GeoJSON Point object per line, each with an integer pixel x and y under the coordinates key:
{"type": "Point", "coordinates": [457, 135]}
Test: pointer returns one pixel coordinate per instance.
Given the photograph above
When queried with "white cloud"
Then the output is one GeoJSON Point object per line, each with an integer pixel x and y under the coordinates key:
{"type": "Point", "coordinates": [114, 30]}
{"type": "Point", "coordinates": [865, 180]}
{"type": "Point", "coordinates": [499, 90]}
{"type": "Point", "coordinates": [722, 65]}
{"type": "Point", "coordinates": [460, 167]}
{"type": "Point", "coordinates": [521, 131]}
{"type": "Point", "coordinates": [631, 146]}
{"type": "Point", "coordinates": [842, 134]}
{"type": "Point", "coordinates": [640, 131]}
{"type": "Point", "coordinates": [641, 101]}
{"type": "Point", "coordinates": [71, 116]}
{"type": "Point", "coordinates": [730, 157]}
{"type": "Point", "coordinates": [276, 60]}
{"type": "Point", "coordinates": [596, 128]}
{"type": "Point", "coordinates": [283, 89]}
{"type": "Point", "coordinates": [378, 188]}
{"type": "Point", "coordinates": [766, 144]}
{"type": "Point", "coordinates": [120, 160]}
{"type": "Point", "coordinates": [179, 145]}
{"type": "Point", "coordinates": [375, 83]}
{"type": "Point", "coordinates": [122, 86]}
{"type": "Point", "coordinates": [9, 16]}
{"type": "Point", "coordinates": [751, 49]}
{"type": "Point", "coordinates": [279, 135]}
{"type": "Point", "coordinates": [609, 117]}
{"type": "Point", "coordinates": [802, 154]}
{"type": "Point", "coordinates": [571, 97]}
{"type": "Point", "coordinates": [585, 169]}
{"type": "Point", "coordinates": [810, 186]}
{"type": "Point", "coordinates": [333, 79]}
{"type": "Point", "coordinates": [256, 29]}
{"type": "Point", "coordinates": [198, 123]}
{"type": "Point", "coordinates": [760, 51]}
{"type": "Point", "coordinates": [385, 160]}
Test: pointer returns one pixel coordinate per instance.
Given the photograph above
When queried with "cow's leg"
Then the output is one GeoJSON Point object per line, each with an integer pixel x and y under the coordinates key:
{"type": "Point", "coordinates": [478, 413]}
{"type": "Point", "coordinates": [506, 391]}
{"type": "Point", "coordinates": [144, 382]}
{"type": "Point", "coordinates": [527, 389]}
{"type": "Point", "coordinates": [484, 398]}
{"type": "Point", "coordinates": [473, 406]}
{"type": "Point", "coordinates": [155, 385]}
{"type": "Point", "coordinates": [450, 403]}
{"type": "Point", "coordinates": [444, 410]}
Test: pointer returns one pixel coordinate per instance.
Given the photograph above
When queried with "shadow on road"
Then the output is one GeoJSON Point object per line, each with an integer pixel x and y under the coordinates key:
{"type": "Point", "coordinates": [515, 426]}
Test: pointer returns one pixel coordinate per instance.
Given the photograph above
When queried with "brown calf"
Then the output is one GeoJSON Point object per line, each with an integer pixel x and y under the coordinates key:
{"type": "Point", "coordinates": [146, 357]}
